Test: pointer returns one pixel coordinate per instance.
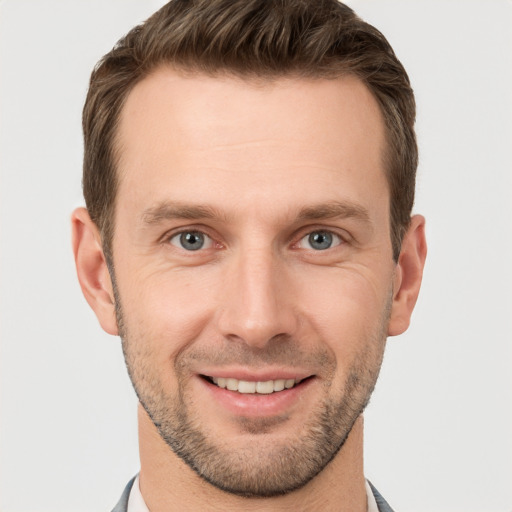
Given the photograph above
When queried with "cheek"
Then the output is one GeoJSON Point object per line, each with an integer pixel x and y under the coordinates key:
{"type": "Point", "coordinates": [167, 310]}
{"type": "Point", "coordinates": [346, 308]}
{"type": "Point", "coordinates": [171, 308]}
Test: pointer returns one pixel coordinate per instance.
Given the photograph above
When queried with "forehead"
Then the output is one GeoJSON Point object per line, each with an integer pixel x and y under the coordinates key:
{"type": "Point", "coordinates": [187, 136]}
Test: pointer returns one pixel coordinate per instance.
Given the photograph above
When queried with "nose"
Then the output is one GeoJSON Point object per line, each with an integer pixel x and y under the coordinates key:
{"type": "Point", "coordinates": [256, 304]}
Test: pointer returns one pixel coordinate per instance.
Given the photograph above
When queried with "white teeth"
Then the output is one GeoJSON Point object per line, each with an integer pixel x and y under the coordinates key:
{"type": "Point", "coordinates": [250, 387]}
{"type": "Point", "coordinates": [265, 388]}
{"type": "Point", "coordinates": [245, 386]}
{"type": "Point", "coordinates": [232, 384]}
{"type": "Point", "coordinates": [279, 385]}
{"type": "Point", "coordinates": [289, 383]}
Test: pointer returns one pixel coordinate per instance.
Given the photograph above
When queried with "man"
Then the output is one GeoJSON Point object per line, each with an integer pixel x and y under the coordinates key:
{"type": "Point", "coordinates": [249, 177]}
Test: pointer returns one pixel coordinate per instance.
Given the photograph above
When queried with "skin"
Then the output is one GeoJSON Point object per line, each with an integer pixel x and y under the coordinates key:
{"type": "Point", "coordinates": [266, 164]}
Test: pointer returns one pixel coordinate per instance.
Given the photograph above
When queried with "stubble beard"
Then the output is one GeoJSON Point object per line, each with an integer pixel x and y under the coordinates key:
{"type": "Point", "coordinates": [259, 468]}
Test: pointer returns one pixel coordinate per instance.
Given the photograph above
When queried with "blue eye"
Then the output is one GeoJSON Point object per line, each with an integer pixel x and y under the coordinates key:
{"type": "Point", "coordinates": [191, 240]}
{"type": "Point", "coordinates": [320, 240]}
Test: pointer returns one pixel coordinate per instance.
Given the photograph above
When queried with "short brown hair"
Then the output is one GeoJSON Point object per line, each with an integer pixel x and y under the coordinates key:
{"type": "Point", "coordinates": [251, 39]}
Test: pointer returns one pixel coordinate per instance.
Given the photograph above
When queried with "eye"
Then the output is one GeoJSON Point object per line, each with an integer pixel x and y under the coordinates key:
{"type": "Point", "coordinates": [320, 240]}
{"type": "Point", "coordinates": [191, 240]}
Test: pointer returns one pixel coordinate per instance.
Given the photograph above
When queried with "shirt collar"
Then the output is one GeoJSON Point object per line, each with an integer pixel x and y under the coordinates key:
{"type": "Point", "coordinates": [136, 502]}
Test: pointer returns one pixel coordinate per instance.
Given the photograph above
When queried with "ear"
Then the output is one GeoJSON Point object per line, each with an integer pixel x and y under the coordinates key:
{"type": "Point", "coordinates": [92, 270]}
{"type": "Point", "coordinates": [408, 274]}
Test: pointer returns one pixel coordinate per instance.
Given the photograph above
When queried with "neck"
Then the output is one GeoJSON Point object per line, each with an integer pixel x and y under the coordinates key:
{"type": "Point", "coordinates": [168, 484]}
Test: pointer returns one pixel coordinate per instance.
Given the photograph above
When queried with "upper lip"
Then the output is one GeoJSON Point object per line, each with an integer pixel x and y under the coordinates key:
{"type": "Point", "coordinates": [256, 375]}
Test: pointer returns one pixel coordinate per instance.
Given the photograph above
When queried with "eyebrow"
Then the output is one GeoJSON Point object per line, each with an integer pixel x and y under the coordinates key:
{"type": "Point", "coordinates": [176, 210]}
{"type": "Point", "coordinates": [172, 210]}
{"type": "Point", "coordinates": [334, 209]}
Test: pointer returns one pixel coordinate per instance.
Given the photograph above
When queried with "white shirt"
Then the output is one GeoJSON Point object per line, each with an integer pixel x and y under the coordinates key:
{"type": "Point", "coordinates": [370, 499]}
{"type": "Point", "coordinates": [136, 501]}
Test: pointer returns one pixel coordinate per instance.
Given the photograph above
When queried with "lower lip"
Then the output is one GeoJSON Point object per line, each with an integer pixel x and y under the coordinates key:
{"type": "Point", "coordinates": [258, 405]}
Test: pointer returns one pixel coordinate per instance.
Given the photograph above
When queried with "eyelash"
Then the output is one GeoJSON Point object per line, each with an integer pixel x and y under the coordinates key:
{"type": "Point", "coordinates": [167, 238]}
{"type": "Point", "coordinates": [336, 239]}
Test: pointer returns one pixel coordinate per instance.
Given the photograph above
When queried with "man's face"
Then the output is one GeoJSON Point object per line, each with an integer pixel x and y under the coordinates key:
{"type": "Point", "coordinates": [253, 268]}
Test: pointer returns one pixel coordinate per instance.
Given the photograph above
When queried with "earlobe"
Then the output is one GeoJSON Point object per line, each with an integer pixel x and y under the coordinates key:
{"type": "Point", "coordinates": [92, 270]}
{"type": "Point", "coordinates": [408, 275]}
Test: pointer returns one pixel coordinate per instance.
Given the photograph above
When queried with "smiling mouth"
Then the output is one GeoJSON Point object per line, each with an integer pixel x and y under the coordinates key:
{"type": "Point", "coordinates": [251, 387]}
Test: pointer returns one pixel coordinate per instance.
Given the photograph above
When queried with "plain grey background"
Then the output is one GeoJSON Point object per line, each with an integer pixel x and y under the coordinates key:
{"type": "Point", "coordinates": [439, 427]}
